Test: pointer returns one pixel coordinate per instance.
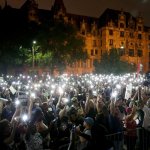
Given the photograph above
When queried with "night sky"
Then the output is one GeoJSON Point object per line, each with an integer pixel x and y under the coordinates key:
{"type": "Point", "coordinates": [95, 7]}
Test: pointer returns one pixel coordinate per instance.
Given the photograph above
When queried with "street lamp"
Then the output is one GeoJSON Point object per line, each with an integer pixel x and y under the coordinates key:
{"type": "Point", "coordinates": [122, 47]}
{"type": "Point", "coordinates": [33, 53]}
{"type": "Point", "coordinates": [122, 50]}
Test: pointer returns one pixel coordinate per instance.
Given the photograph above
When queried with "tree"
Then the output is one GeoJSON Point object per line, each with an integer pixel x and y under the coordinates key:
{"type": "Point", "coordinates": [58, 42]}
{"type": "Point", "coordinates": [59, 46]}
{"type": "Point", "coordinates": [111, 63]}
{"type": "Point", "coordinates": [15, 40]}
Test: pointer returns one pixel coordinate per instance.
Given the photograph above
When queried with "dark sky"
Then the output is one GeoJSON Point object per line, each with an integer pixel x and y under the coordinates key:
{"type": "Point", "coordinates": [95, 7]}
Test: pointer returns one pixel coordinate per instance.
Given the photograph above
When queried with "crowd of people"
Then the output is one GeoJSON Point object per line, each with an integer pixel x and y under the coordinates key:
{"type": "Point", "coordinates": [99, 112]}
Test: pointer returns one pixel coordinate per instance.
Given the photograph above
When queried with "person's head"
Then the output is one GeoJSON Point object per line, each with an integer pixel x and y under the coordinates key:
{"type": "Point", "coordinates": [91, 103]}
{"type": "Point", "coordinates": [148, 103]}
{"type": "Point", "coordinates": [45, 106]}
{"type": "Point", "coordinates": [72, 114]}
{"type": "Point", "coordinates": [88, 122]}
{"type": "Point", "coordinates": [5, 128]}
{"type": "Point", "coordinates": [74, 101]}
{"type": "Point", "coordinates": [128, 110]}
{"type": "Point", "coordinates": [145, 98]}
{"type": "Point", "coordinates": [120, 101]}
{"type": "Point", "coordinates": [140, 104]}
{"type": "Point", "coordinates": [37, 115]}
{"type": "Point", "coordinates": [8, 104]}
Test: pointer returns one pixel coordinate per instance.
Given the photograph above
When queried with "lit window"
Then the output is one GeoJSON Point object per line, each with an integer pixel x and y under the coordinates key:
{"type": "Point", "coordinates": [110, 42]}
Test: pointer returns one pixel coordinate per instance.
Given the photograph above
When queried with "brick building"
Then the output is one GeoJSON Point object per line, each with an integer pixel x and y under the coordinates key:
{"type": "Point", "coordinates": [113, 29]}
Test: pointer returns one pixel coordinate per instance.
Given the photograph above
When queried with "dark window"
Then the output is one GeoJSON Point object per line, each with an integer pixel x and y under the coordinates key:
{"type": "Point", "coordinates": [122, 51]}
{"type": "Point", "coordinates": [96, 52]}
{"type": "Point", "coordinates": [149, 37]}
{"type": "Point", "coordinates": [101, 43]}
{"type": "Point", "coordinates": [83, 32]}
{"type": "Point", "coordinates": [110, 42]}
{"type": "Point", "coordinates": [121, 25]}
{"type": "Point", "coordinates": [94, 43]}
{"type": "Point", "coordinates": [79, 64]}
{"type": "Point", "coordinates": [100, 32]}
{"type": "Point", "coordinates": [110, 32]}
{"type": "Point", "coordinates": [94, 33]}
{"type": "Point", "coordinates": [131, 52]}
{"type": "Point", "coordinates": [121, 33]}
{"type": "Point", "coordinates": [92, 52]}
{"type": "Point", "coordinates": [139, 53]}
{"type": "Point", "coordinates": [91, 63]}
{"type": "Point", "coordinates": [149, 55]}
{"type": "Point", "coordinates": [139, 36]}
{"type": "Point", "coordinates": [84, 64]}
{"type": "Point", "coordinates": [131, 35]}
{"type": "Point", "coordinates": [139, 28]}
{"type": "Point", "coordinates": [148, 46]}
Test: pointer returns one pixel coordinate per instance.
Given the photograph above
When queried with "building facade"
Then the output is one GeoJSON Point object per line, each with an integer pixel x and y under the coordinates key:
{"type": "Point", "coordinates": [113, 29]}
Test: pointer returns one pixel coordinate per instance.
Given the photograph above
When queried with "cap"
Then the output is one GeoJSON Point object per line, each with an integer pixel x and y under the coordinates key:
{"type": "Point", "coordinates": [89, 121]}
{"type": "Point", "coordinates": [74, 99]}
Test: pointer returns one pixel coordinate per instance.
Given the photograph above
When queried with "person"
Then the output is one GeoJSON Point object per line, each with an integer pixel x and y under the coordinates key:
{"type": "Point", "coordinates": [99, 139]}
{"type": "Point", "coordinates": [7, 134]}
{"type": "Point", "coordinates": [116, 124]}
{"type": "Point", "coordinates": [139, 118]}
{"type": "Point", "coordinates": [130, 125]}
{"type": "Point", "coordinates": [85, 136]}
{"type": "Point", "coordinates": [90, 109]}
{"type": "Point", "coordinates": [41, 127]}
{"type": "Point", "coordinates": [8, 111]}
{"type": "Point", "coordinates": [146, 124]}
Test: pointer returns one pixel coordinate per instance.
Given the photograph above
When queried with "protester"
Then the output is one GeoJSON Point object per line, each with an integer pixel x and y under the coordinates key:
{"type": "Point", "coordinates": [130, 125]}
{"type": "Point", "coordinates": [74, 112]}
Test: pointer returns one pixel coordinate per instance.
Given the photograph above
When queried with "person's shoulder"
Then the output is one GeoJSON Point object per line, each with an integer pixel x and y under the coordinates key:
{"type": "Point", "coordinates": [88, 132]}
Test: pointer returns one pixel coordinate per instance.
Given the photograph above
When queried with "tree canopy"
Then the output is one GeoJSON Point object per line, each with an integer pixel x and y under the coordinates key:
{"type": "Point", "coordinates": [58, 44]}
{"type": "Point", "coordinates": [111, 63]}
